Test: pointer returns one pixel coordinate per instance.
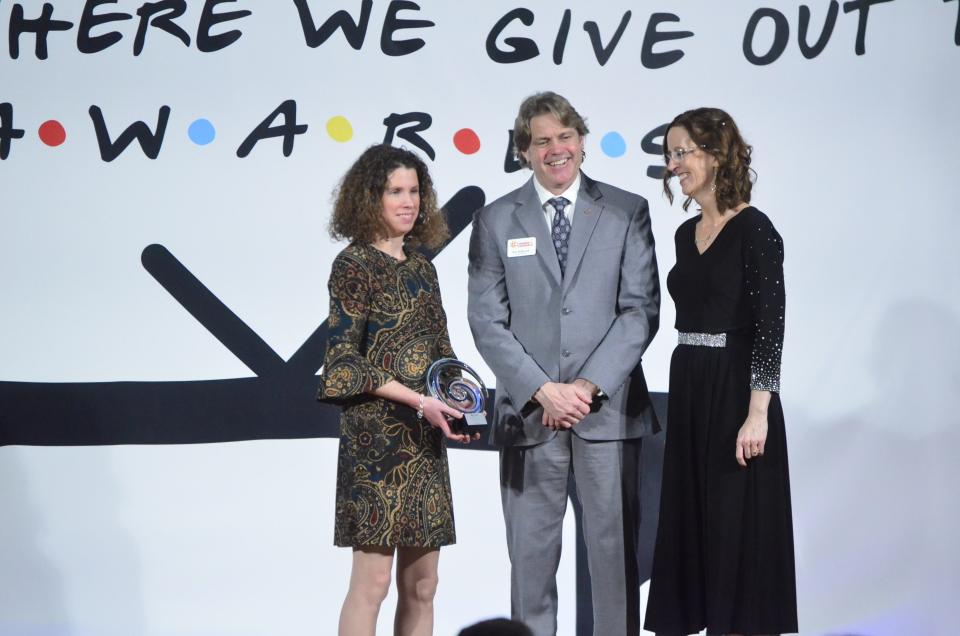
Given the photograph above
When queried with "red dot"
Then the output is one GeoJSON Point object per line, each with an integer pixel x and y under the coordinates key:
{"type": "Point", "coordinates": [52, 133]}
{"type": "Point", "coordinates": [466, 141]}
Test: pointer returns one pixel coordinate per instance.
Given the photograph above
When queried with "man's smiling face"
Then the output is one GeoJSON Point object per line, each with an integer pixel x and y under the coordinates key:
{"type": "Point", "coordinates": [555, 152]}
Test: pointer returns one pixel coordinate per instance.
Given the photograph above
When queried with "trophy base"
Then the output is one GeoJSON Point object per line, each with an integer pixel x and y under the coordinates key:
{"type": "Point", "coordinates": [470, 423]}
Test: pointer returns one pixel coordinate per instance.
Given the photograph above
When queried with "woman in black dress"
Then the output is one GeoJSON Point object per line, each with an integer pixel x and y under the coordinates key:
{"type": "Point", "coordinates": [724, 552]}
{"type": "Point", "coordinates": [386, 327]}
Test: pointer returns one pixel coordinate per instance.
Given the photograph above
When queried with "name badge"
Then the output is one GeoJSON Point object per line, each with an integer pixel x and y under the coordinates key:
{"type": "Point", "coordinates": [522, 246]}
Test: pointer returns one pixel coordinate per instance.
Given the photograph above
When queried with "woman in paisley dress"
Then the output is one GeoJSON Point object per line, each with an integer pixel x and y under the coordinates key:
{"type": "Point", "coordinates": [724, 549]}
{"type": "Point", "coordinates": [386, 326]}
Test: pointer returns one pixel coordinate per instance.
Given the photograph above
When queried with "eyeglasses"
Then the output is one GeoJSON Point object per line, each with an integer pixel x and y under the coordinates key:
{"type": "Point", "coordinates": [678, 154]}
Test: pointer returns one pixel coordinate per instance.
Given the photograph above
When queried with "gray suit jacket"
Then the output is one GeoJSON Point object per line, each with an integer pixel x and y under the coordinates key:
{"type": "Point", "coordinates": [532, 326]}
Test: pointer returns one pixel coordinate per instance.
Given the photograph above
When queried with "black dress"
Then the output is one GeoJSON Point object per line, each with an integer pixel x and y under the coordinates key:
{"type": "Point", "coordinates": [386, 323]}
{"type": "Point", "coordinates": [724, 548]}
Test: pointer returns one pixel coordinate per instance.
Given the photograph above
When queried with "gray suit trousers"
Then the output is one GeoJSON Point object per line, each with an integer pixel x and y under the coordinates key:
{"type": "Point", "coordinates": [533, 486]}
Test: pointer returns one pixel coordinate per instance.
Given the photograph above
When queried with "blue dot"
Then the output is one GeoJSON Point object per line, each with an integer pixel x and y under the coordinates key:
{"type": "Point", "coordinates": [613, 144]}
{"type": "Point", "coordinates": [202, 132]}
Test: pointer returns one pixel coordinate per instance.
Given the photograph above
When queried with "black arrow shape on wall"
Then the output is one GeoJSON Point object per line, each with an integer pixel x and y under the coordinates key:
{"type": "Point", "coordinates": [279, 403]}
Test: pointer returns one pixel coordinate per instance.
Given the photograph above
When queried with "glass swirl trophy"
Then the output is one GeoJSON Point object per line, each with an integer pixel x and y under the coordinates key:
{"type": "Point", "coordinates": [458, 386]}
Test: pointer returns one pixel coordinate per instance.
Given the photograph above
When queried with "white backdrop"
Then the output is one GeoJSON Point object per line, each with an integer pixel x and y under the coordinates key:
{"type": "Point", "coordinates": [858, 168]}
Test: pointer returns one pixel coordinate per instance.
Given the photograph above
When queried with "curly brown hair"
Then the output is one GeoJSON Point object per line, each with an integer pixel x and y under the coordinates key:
{"type": "Point", "coordinates": [715, 131]}
{"type": "Point", "coordinates": [542, 104]}
{"type": "Point", "coordinates": [358, 199]}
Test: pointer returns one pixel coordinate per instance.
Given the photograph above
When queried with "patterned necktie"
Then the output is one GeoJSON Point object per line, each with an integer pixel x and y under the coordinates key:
{"type": "Point", "coordinates": [561, 230]}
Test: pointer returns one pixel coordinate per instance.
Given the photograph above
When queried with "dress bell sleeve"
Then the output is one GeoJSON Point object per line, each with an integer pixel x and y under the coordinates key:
{"type": "Point", "coordinates": [347, 372]}
{"type": "Point", "coordinates": [763, 264]}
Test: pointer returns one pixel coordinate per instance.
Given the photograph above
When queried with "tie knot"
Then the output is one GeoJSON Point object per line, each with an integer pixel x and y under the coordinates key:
{"type": "Point", "coordinates": [559, 203]}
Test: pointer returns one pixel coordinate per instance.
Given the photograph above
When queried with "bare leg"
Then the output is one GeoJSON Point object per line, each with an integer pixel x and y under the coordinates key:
{"type": "Point", "coordinates": [369, 584]}
{"type": "Point", "coordinates": [416, 587]}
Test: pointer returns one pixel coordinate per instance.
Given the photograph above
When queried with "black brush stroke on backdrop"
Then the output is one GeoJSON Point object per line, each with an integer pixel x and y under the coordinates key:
{"type": "Point", "coordinates": [278, 403]}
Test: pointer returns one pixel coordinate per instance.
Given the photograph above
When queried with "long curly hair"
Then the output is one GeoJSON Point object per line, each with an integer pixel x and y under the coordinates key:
{"type": "Point", "coordinates": [716, 133]}
{"type": "Point", "coordinates": [358, 199]}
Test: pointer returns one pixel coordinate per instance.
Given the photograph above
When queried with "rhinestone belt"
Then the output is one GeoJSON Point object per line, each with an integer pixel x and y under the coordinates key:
{"type": "Point", "coordinates": [703, 339]}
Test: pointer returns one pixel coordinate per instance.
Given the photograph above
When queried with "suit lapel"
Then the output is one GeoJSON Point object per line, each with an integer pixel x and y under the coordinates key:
{"type": "Point", "coordinates": [585, 216]}
{"type": "Point", "coordinates": [530, 215]}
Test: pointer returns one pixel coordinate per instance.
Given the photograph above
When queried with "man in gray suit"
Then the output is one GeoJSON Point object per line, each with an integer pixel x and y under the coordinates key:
{"type": "Point", "coordinates": [564, 298]}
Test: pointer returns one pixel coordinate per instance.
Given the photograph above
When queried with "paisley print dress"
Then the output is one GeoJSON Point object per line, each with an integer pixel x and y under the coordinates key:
{"type": "Point", "coordinates": [386, 323]}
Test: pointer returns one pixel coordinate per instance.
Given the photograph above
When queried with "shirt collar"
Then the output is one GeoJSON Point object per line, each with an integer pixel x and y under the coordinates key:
{"type": "Point", "coordinates": [570, 193]}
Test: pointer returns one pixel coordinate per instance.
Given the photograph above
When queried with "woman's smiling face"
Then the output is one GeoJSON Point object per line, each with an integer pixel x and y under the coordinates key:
{"type": "Point", "coordinates": [695, 171]}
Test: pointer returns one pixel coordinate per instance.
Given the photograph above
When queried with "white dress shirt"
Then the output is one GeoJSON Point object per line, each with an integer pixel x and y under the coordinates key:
{"type": "Point", "coordinates": [570, 194]}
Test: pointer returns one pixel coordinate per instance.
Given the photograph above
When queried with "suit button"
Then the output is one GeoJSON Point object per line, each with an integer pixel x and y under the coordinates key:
{"type": "Point", "coordinates": [565, 353]}
{"type": "Point", "coordinates": [565, 311]}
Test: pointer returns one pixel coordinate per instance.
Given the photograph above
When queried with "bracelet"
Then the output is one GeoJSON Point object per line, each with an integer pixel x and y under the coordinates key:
{"type": "Point", "coordinates": [420, 407]}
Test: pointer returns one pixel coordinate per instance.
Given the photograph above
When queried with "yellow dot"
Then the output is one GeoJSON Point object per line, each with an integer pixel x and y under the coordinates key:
{"type": "Point", "coordinates": [339, 129]}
